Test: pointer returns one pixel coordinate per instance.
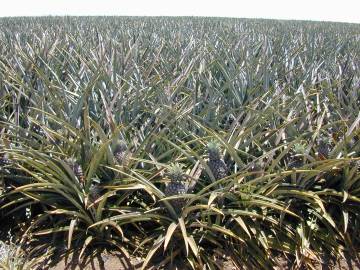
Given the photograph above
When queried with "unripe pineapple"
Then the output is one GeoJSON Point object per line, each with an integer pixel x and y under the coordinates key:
{"type": "Point", "coordinates": [296, 159]}
{"type": "Point", "coordinates": [94, 193]}
{"type": "Point", "coordinates": [5, 163]}
{"type": "Point", "coordinates": [120, 151]}
{"type": "Point", "coordinates": [24, 122]}
{"type": "Point", "coordinates": [37, 129]}
{"type": "Point", "coordinates": [216, 163]}
{"type": "Point", "coordinates": [176, 185]}
{"type": "Point", "coordinates": [77, 169]}
{"type": "Point", "coordinates": [296, 162]}
{"type": "Point", "coordinates": [323, 149]}
{"type": "Point", "coordinates": [4, 160]}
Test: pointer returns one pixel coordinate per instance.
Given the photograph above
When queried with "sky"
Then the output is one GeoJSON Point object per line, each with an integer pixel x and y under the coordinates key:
{"type": "Point", "coordinates": [318, 10]}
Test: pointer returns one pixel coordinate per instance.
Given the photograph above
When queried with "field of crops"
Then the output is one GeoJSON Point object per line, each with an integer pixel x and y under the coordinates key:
{"type": "Point", "coordinates": [185, 142]}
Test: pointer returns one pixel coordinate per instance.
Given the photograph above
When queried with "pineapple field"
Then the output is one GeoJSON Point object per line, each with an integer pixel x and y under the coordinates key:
{"type": "Point", "coordinates": [179, 143]}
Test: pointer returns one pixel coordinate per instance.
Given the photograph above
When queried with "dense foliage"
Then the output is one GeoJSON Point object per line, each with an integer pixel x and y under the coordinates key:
{"type": "Point", "coordinates": [180, 140]}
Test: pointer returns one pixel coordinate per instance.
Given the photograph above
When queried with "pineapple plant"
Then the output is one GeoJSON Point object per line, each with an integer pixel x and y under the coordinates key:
{"type": "Point", "coordinates": [13, 257]}
{"type": "Point", "coordinates": [176, 185]}
{"type": "Point", "coordinates": [216, 162]}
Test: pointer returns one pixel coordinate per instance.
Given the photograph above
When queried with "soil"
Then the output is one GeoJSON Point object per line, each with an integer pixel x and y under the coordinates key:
{"type": "Point", "coordinates": [109, 261]}
{"type": "Point", "coordinates": [103, 261]}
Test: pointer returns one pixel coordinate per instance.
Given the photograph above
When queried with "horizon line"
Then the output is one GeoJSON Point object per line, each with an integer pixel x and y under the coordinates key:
{"type": "Point", "coordinates": [177, 16]}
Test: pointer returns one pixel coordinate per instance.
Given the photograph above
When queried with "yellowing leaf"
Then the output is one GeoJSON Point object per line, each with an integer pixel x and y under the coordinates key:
{"type": "Point", "coordinates": [242, 224]}
{"type": "Point", "coordinates": [183, 230]}
{"type": "Point", "coordinates": [193, 245]}
{"type": "Point", "coordinates": [212, 198]}
{"type": "Point", "coordinates": [169, 233]}
{"type": "Point", "coordinates": [71, 230]}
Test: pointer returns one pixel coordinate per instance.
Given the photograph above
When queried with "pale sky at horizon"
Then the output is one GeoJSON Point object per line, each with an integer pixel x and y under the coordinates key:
{"type": "Point", "coordinates": [318, 10]}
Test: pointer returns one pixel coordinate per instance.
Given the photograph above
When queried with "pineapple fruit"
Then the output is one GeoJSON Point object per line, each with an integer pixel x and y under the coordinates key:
{"type": "Point", "coordinates": [216, 163]}
{"type": "Point", "coordinates": [176, 185]}
{"type": "Point", "coordinates": [120, 151]}
{"type": "Point", "coordinates": [217, 167]}
{"type": "Point", "coordinates": [4, 160]}
{"type": "Point", "coordinates": [94, 193]}
{"type": "Point", "coordinates": [296, 159]}
{"type": "Point", "coordinates": [7, 165]}
{"type": "Point", "coordinates": [324, 148]}
{"type": "Point", "coordinates": [77, 169]}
